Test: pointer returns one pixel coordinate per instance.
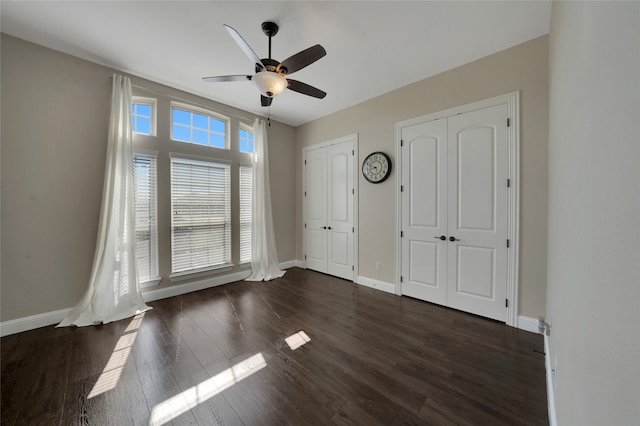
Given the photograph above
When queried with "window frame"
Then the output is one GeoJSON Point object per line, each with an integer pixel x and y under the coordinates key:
{"type": "Point", "coordinates": [244, 260]}
{"type": "Point", "coordinates": [154, 278]}
{"type": "Point", "coordinates": [177, 275]}
{"type": "Point", "coordinates": [248, 129]}
{"type": "Point", "coordinates": [153, 103]}
{"type": "Point", "coordinates": [203, 111]}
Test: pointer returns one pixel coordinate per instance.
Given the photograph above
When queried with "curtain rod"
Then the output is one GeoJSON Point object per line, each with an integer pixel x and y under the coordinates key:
{"type": "Point", "coordinates": [158, 92]}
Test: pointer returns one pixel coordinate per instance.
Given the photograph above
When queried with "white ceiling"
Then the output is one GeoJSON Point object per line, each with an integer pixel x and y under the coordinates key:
{"type": "Point", "coordinates": [373, 47]}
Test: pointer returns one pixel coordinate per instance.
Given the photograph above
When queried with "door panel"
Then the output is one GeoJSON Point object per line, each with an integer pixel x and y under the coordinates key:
{"type": "Point", "coordinates": [316, 193]}
{"type": "Point", "coordinates": [476, 178]}
{"type": "Point", "coordinates": [477, 211]}
{"type": "Point", "coordinates": [476, 269]}
{"type": "Point", "coordinates": [421, 272]}
{"type": "Point", "coordinates": [424, 256]}
{"type": "Point", "coordinates": [339, 182]}
{"type": "Point", "coordinates": [424, 182]}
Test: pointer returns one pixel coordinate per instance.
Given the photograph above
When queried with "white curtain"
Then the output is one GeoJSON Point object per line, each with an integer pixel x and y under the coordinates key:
{"type": "Point", "coordinates": [264, 257]}
{"type": "Point", "coordinates": [113, 292]}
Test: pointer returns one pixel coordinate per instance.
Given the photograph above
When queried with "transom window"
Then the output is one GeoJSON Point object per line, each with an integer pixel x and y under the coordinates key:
{"type": "Point", "coordinates": [246, 138]}
{"type": "Point", "coordinates": [189, 124]}
{"type": "Point", "coordinates": [143, 116]}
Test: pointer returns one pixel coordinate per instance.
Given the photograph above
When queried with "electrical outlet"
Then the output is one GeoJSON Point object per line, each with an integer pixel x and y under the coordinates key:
{"type": "Point", "coordinates": [377, 266]}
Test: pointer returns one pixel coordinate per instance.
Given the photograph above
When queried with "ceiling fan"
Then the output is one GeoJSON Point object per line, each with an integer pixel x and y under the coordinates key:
{"type": "Point", "coordinates": [270, 75]}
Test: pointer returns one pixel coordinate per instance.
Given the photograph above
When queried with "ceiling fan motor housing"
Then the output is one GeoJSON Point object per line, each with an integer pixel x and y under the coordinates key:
{"type": "Point", "coordinates": [272, 65]}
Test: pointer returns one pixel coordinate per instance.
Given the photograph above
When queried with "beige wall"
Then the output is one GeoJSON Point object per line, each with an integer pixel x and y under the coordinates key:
{"type": "Point", "coordinates": [521, 68]}
{"type": "Point", "coordinates": [593, 296]}
{"type": "Point", "coordinates": [55, 111]}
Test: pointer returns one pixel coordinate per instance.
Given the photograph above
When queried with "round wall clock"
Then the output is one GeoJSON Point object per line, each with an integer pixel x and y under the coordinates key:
{"type": "Point", "coordinates": [376, 167]}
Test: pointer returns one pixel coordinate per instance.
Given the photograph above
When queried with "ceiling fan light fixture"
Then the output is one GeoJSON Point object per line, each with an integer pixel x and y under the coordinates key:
{"type": "Point", "coordinates": [270, 83]}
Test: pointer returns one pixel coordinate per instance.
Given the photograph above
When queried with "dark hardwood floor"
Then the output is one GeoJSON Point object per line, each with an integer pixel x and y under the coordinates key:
{"type": "Point", "coordinates": [219, 356]}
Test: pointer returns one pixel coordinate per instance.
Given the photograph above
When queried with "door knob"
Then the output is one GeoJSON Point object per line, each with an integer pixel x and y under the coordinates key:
{"type": "Point", "coordinates": [441, 237]}
{"type": "Point", "coordinates": [328, 227]}
{"type": "Point", "coordinates": [452, 239]}
{"type": "Point", "coordinates": [324, 227]}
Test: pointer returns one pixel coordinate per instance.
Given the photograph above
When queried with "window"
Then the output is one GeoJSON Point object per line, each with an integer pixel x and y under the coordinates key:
{"type": "Point", "coordinates": [144, 185]}
{"type": "Point", "coordinates": [246, 206]}
{"type": "Point", "coordinates": [201, 127]}
{"type": "Point", "coordinates": [246, 138]}
{"type": "Point", "coordinates": [201, 215]}
{"type": "Point", "coordinates": [143, 116]}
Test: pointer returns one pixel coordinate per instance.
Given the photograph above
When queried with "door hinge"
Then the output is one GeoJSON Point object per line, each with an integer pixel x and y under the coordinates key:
{"type": "Point", "coordinates": [305, 225]}
{"type": "Point", "coordinates": [401, 142]}
{"type": "Point", "coordinates": [508, 243]}
{"type": "Point", "coordinates": [305, 257]}
{"type": "Point", "coordinates": [400, 278]}
{"type": "Point", "coordinates": [401, 188]}
{"type": "Point", "coordinates": [508, 183]}
{"type": "Point", "coordinates": [401, 234]}
{"type": "Point", "coordinates": [508, 122]}
{"type": "Point", "coordinates": [353, 230]}
{"type": "Point", "coordinates": [305, 193]}
{"type": "Point", "coordinates": [353, 268]}
{"type": "Point", "coordinates": [305, 162]}
{"type": "Point", "coordinates": [353, 152]}
{"type": "Point", "coordinates": [353, 191]}
{"type": "Point", "coordinates": [506, 303]}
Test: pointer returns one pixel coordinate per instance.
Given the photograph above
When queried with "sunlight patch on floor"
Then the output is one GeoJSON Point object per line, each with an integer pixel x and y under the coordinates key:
{"type": "Point", "coordinates": [297, 339]}
{"type": "Point", "coordinates": [110, 375]}
{"type": "Point", "coordinates": [173, 407]}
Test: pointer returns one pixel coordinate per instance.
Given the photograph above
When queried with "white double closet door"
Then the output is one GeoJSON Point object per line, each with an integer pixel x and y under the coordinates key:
{"type": "Point", "coordinates": [329, 208]}
{"type": "Point", "coordinates": [454, 208]}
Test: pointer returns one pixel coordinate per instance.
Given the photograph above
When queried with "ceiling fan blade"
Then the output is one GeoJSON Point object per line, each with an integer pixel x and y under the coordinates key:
{"type": "Point", "coordinates": [305, 89]}
{"type": "Point", "coordinates": [235, 35]}
{"type": "Point", "coordinates": [265, 101]}
{"type": "Point", "coordinates": [302, 59]}
{"type": "Point", "coordinates": [221, 78]}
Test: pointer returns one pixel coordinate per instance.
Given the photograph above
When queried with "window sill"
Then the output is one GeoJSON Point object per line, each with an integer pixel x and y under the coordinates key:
{"type": "Point", "coordinates": [187, 275]}
{"type": "Point", "coordinates": [150, 283]}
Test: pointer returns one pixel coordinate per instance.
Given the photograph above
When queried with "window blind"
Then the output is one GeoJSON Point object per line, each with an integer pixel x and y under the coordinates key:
{"type": "Point", "coordinates": [246, 201]}
{"type": "Point", "coordinates": [144, 183]}
{"type": "Point", "coordinates": [201, 218]}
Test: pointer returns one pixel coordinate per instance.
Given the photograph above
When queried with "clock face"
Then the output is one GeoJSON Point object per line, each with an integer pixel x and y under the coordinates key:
{"type": "Point", "coordinates": [376, 167]}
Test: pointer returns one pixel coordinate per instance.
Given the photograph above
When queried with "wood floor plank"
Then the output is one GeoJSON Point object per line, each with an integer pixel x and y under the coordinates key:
{"type": "Point", "coordinates": [221, 356]}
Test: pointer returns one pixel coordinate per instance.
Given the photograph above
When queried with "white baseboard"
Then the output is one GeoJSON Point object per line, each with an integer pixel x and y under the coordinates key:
{"type": "Point", "coordinates": [528, 324]}
{"type": "Point", "coordinates": [291, 264]}
{"type": "Point", "coordinates": [50, 318]}
{"type": "Point", "coordinates": [531, 324]}
{"type": "Point", "coordinates": [551, 400]}
{"type": "Point", "coordinates": [378, 285]}
{"type": "Point", "coordinates": [32, 322]}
